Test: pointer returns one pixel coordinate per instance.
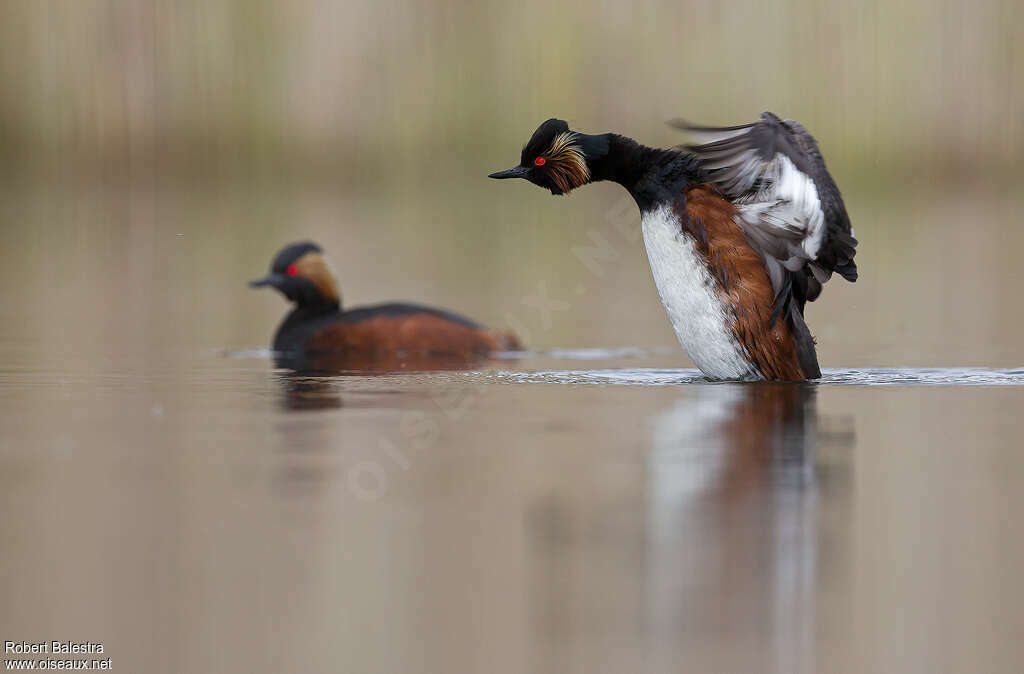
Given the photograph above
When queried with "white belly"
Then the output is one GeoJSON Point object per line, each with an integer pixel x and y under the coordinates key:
{"type": "Point", "coordinates": [702, 323]}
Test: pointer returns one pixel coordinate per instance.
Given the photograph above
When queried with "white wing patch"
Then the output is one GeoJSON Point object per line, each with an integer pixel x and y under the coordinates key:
{"type": "Point", "coordinates": [783, 217]}
{"type": "Point", "coordinates": [779, 207]}
{"type": "Point", "coordinates": [788, 205]}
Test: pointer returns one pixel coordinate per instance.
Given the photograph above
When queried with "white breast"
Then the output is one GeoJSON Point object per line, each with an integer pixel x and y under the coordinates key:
{"type": "Point", "coordinates": [702, 323]}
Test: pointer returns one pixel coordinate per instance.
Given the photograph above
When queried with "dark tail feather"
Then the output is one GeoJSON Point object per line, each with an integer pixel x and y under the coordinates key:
{"type": "Point", "coordinates": [805, 351]}
{"type": "Point", "coordinates": [783, 299]}
{"type": "Point", "coordinates": [813, 290]}
{"type": "Point", "coordinates": [848, 270]}
{"type": "Point", "coordinates": [796, 290]}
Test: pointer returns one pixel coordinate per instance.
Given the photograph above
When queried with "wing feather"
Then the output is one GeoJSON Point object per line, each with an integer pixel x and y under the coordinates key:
{"type": "Point", "coordinates": [789, 206]}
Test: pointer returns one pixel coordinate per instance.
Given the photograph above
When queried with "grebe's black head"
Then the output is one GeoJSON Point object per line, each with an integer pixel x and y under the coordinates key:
{"type": "Point", "coordinates": [557, 158]}
{"type": "Point", "coordinates": [303, 275]}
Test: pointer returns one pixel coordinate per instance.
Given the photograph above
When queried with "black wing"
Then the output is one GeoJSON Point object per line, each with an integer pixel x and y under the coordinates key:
{"type": "Point", "coordinates": [789, 206]}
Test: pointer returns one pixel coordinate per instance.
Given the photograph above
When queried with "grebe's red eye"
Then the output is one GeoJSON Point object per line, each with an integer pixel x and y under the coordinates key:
{"type": "Point", "coordinates": [292, 270]}
{"type": "Point", "coordinates": [539, 161]}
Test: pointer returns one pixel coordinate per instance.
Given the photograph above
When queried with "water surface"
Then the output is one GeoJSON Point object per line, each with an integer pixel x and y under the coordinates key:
{"type": "Point", "coordinates": [592, 506]}
{"type": "Point", "coordinates": [227, 516]}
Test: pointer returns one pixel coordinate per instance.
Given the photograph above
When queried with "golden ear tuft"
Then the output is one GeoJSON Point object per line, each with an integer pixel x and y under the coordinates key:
{"type": "Point", "coordinates": [317, 269]}
{"type": "Point", "coordinates": [567, 164]}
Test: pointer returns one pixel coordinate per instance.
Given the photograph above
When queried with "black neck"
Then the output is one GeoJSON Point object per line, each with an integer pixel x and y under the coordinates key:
{"type": "Point", "coordinates": [301, 322]}
{"type": "Point", "coordinates": [308, 310]}
{"type": "Point", "coordinates": [651, 175]}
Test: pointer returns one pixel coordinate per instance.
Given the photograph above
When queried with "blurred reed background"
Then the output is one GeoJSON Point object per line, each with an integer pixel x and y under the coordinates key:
{"type": "Point", "coordinates": [390, 89]}
{"type": "Point", "coordinates": [371, 125]}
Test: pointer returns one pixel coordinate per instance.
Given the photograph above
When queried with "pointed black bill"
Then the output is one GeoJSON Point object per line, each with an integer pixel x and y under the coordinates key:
{"type": "Point", "coordinates": [268, 280]}
{"type": "Point", "coordinates": [514, 172]}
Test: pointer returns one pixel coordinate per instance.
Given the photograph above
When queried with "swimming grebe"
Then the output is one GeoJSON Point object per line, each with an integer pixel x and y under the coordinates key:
{"type": "Point", "coordinates": [318, 325]}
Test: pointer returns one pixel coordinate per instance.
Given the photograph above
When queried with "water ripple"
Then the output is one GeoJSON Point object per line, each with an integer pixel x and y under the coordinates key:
{"type": "Point", "coordinates": [842, 377]}
{"type": "Point", "coordinates": [937, 376]}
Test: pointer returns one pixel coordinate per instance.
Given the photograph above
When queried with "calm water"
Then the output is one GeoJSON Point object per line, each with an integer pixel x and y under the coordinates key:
{"type": "Point", "coordinates": [594, 508]}
{"type": "Point", "coordinates": [228, 517]}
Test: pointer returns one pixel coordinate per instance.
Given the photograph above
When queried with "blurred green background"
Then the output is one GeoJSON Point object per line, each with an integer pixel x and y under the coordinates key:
{"type": "Point", "coordinates": [155, 155]}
